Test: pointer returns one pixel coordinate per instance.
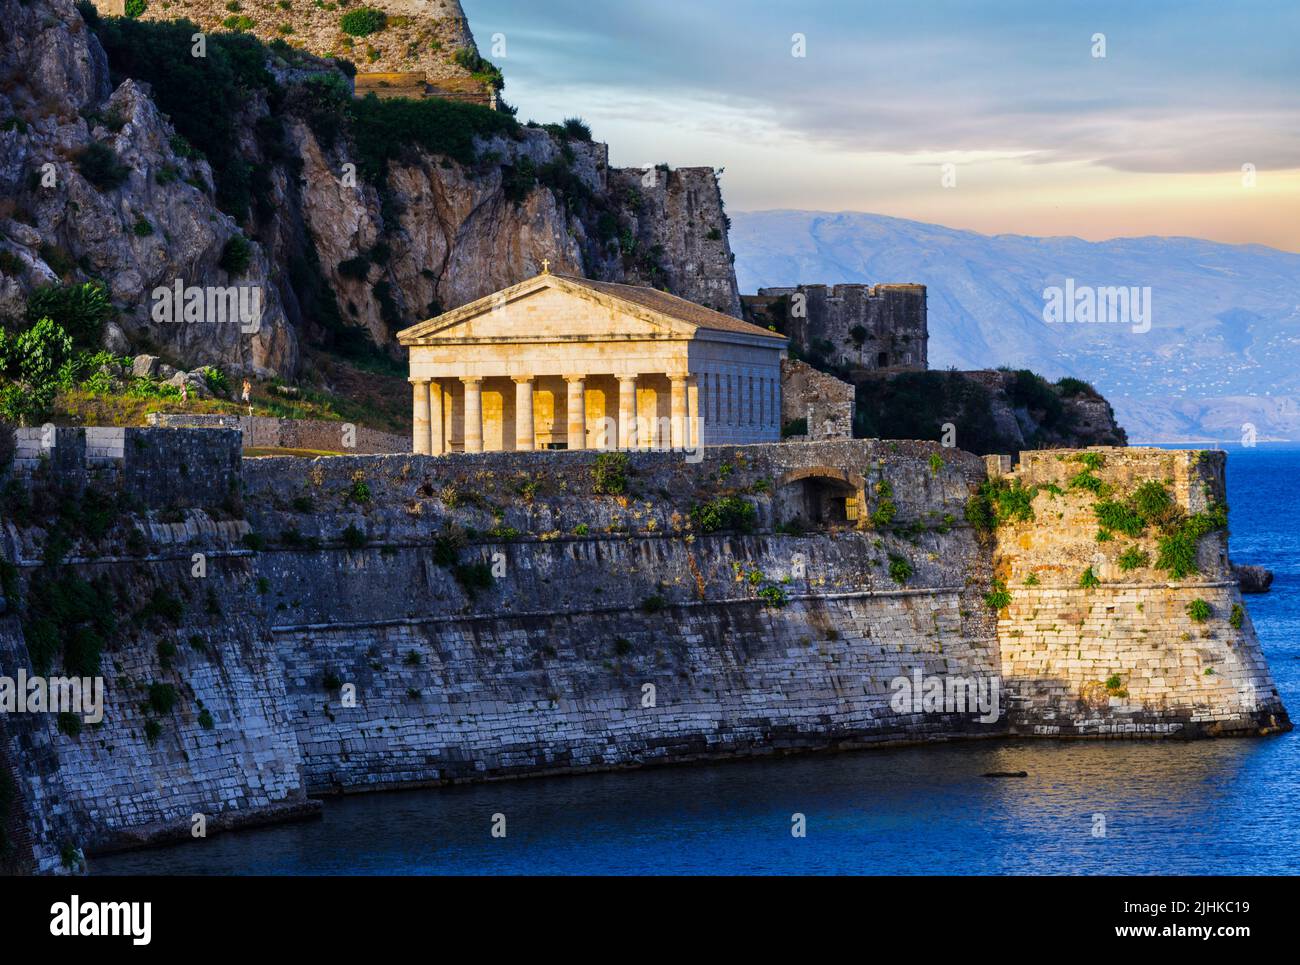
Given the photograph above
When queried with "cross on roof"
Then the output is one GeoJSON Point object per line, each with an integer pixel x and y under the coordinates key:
{"type": "Point", "coordinates": [546, 266]}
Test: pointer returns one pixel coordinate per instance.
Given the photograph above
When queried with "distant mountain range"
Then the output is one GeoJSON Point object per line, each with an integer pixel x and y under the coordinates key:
{"type": "Point", "coordinates": [1223, 348]}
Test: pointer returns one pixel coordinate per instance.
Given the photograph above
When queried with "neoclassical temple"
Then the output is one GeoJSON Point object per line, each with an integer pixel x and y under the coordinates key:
{"type": "Point", "coordinates": [559, 362]}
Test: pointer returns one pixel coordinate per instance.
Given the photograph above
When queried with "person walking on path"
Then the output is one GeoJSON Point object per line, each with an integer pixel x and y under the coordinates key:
{"type": "Point", "coordinates": [248, 389]}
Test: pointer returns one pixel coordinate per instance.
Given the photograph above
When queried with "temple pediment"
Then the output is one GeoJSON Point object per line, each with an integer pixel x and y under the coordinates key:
{"type": "Point", "coordinates": [549, 308]}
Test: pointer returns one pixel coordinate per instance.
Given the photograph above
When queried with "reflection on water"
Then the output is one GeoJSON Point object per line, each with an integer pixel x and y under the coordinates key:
{"type": "Point", "coordinates": [1226, 806]}
{"type": "Point", "coordinates": [1206, 807]}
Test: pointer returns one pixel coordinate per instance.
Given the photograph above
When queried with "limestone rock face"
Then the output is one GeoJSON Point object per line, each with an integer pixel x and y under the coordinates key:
{"type": "Point", "coordinates": [418, 36]}
{"type": "Point", "coordinates": [140, 225]}
{"type": "Point", "coordinates": [327, 252]}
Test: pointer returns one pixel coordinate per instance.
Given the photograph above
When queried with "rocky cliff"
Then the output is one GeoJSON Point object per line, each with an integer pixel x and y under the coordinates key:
{"type": "Point", "coordinates": [134, 157]}
{"type": "Point", "coordinates": [410, 36]}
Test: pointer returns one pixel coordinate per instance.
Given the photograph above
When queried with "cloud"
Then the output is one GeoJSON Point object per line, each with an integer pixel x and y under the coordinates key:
{"type": "Point", "coordinates": [1187, 88]}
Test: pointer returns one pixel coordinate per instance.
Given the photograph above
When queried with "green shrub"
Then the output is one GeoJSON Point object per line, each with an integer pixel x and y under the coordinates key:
{"type": "Point", "coordinates": [473, 577]}
{"type": "Point", "coordinates": [363, 21]}
{"type": "Point", "coordinates": [384, 130]}
{"type": "Point", "coordinates": [162, 697]}
{"type": "Point", "coordinates": [360, 492]}
{"type": "Point", "coordinates": [724, 513]}
{"type": "Point", "coordinates": [1071, 387]}
{"type": "Point", "coordinates": [653, 603]}
{"type": "Point", "coordinates": [1199, 610]}
{"type": "Point", "coordinates": [900, 570]}
{"type": "Point", "coordinates": [1133, 558]}
{"type": "Point", "coordinates": [484, 71]}
{"type": "Point", "coordinates": [1085, 479]}
{"type": "Point", "coordinates": [999, 501]}
{"type": "Point", "coordinates": [1238, 616]}
{"type": "Point", "coordinates": [353, 538]}
{"type": "Point", "coordinates": [1120, 517]}
{"type": "Point", "coordinates": [609, 474]}
{"type": "Point", "coordinates": [240, 22]}
{"type": "Point", "coordinates": [203, 96]}
{"type": "Point", "coordinates": [236, 256]}
{"type": "Point", "coordinates": [99, 164]}
{"type": "Point", "coordinates": [69, 723]}
{"type": "Point", "coordinates": [1155, 504]}
{"type": "Point", "coordinates": [205, 719]}
{"type": "Point", "coordinates": [997, 598]}
{"type": "Point", "coordinates": [774, 596]}
{"type": "Point", "coordinates": [447, 547]}
{"type": "Point", "coordinates": [152, 731]}
{"type": "Point", "coordinates": [1088, 580]}
{"type": "Point", "coordinates": [795, 427]}
{"type": "Point", "coordinates": [575, 128]}
{"type": "Point", "coordinates": [216, 380]}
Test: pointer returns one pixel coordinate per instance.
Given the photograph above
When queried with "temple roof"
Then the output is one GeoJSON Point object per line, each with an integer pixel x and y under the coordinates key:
{"type": "Point", "coordinates": [633, 298]}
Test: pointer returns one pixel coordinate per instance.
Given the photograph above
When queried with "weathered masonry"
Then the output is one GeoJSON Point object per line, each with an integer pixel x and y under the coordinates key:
{"type": "Point", "coordinates": [511, 614]}
{"type": "Point", "coordinates": [560, 362]}
{"type": "Point", "coordinates": [861, 328]}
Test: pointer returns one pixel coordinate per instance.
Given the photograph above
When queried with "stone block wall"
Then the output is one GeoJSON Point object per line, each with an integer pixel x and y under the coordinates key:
{"type": "Point", "coordinates": [823, 401]}
{"type": "Point", "coordinates": [1125, 656]}
{"type": "Point", "coordinates": [860, 328]}
{"type": "Point", "coordinates": [226, 750]}
{"type": "Point", "coordinates": [267, 432]}
{"type": "Point", "coordinates": [385, 621]}
{"type": "Point", "coordinates": [161, 468]}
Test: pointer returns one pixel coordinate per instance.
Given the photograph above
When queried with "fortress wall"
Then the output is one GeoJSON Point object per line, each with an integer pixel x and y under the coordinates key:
{"type": "Point", "coordinates": [1061, 642]}
{"type": "Point", "coordinates": [268, 432]}
{"type": "Point", "coordinates": [545, 668]}
{"type": "Point", "coordinates": [893, 321]}
{"type": "Point", "coordinates": [755, 643]}
{"type": "Point", "coordinates": [505, 696]}
{"type": "Point", "coordinates": [113, 785]}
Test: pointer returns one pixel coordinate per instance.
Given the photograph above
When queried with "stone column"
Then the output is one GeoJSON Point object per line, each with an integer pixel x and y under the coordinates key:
{"type": "Point", "coordinates": [420, 430]}
{"type": "Point", "coordinates": [627, 411]}
{"type": "Point", "coordinates": [473, 412]}
{"type": "Point", "coordinates": [577, 410]}
{"type": "Point", "coordinates": [525, 437]}
{"type": "Point", "coordinates": [437, 421]}
{"type": "Point", "coordinates": [693, 411]}
{"type": "Point", "coordinates": [677, 423]}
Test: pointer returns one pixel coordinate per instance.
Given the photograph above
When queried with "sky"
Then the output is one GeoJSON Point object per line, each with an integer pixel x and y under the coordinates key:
{"type": "Point", "coordinates": [1188, 125]}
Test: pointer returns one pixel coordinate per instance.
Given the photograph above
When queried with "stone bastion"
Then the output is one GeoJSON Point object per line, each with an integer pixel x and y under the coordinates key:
{"type": "Point", "coordinates": [285, 628]}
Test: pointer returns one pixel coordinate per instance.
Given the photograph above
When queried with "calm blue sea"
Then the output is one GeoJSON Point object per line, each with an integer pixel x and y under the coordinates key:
{"type": "Point", "coordinates": [1209, 807]}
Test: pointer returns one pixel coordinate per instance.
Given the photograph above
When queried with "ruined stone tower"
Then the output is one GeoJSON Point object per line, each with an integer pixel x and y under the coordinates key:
{"type": "Point", "coordinates": [858, 328]}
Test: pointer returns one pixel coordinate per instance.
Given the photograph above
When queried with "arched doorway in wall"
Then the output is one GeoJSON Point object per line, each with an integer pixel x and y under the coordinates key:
{"type": "Point", "coordinates": [819, 497]}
